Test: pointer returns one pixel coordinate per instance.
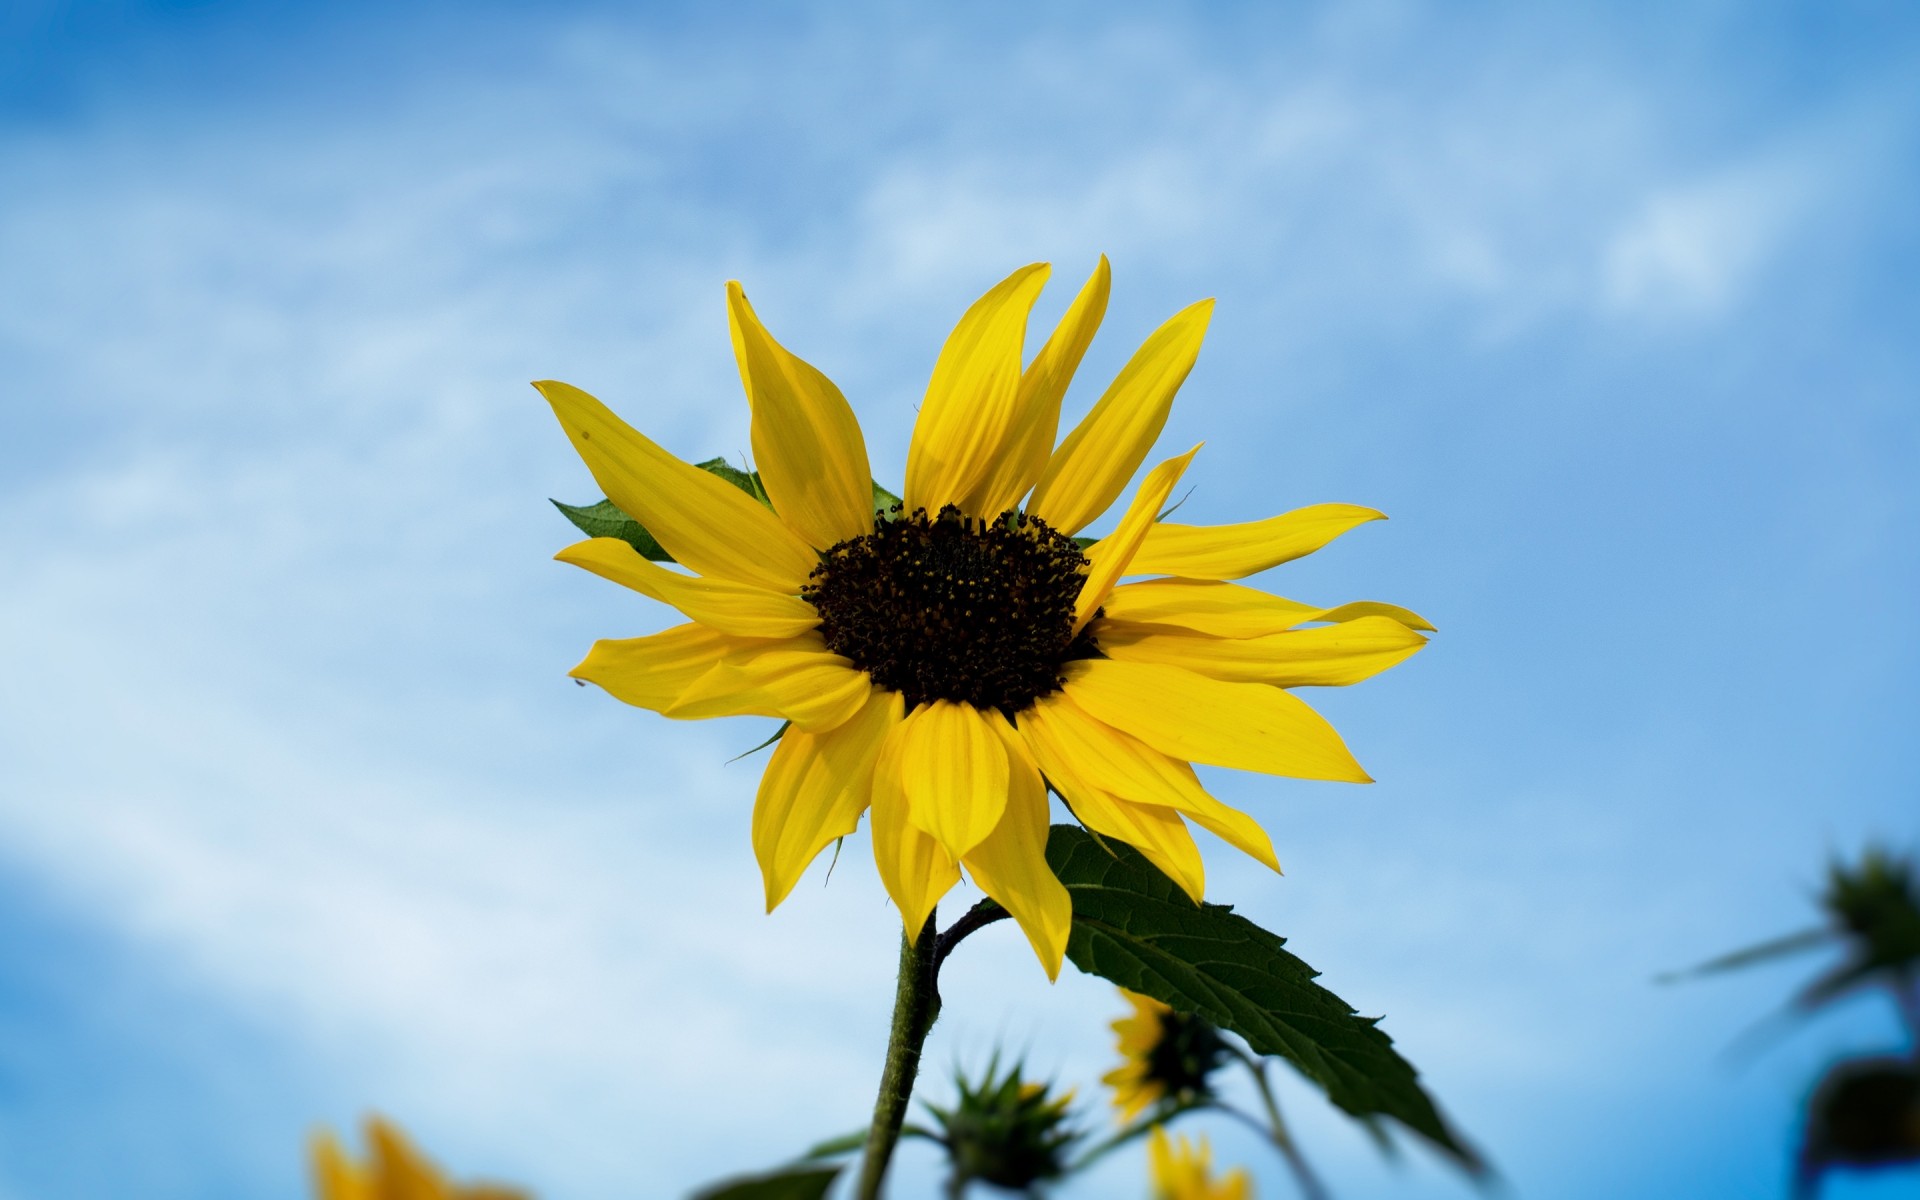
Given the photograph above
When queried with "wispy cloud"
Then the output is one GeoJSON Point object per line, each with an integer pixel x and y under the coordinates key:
{"type": "Point", "coordinates": [283, 691]}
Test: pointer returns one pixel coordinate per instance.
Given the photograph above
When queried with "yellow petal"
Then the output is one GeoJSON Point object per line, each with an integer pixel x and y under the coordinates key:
{"type": "Point", "coordinates": [1091, 468]}
{"type": "Point", "coordinates": [971, 400]}
{"type": "Point", "coordinates": [1108, 559]}
{"type": "Point", "coordinates": [914, 869]}
{"type": "Point", "coordinates": [1247, 726]}
{"type": "Point", "coordinates": [1231, 610]}
{"type": "Point", "coordinates": [796, 679]}
{"type": "Point", "coordinates": [955, 772]}
{"type": "Point", "coordinates": [1037, 412]}
{"type": "Point", "coordinates": [1324, 656]}
{"type": "Point", "coordinates": [736, 608]}
{"type": "Point", "coordinates": [334, 1176]}
{"type": "Point", "coordinates": [1081, 754]}
{"type": "Point", "coordinates": [815, 787]}
{"type": "Point", "coordinates": [806, 442]}
{"type": "Point", "coordinates": [399, 1172]}
{"type": "Point", "coordinates": [1233, 551]}
{"type": "Point", "coordinates": [706, 523]}
{"type": "Point", "coordinates": [1155, 831]}
{"type": "Point", "coordinates": [651, 672]}
{"type": "Point", "coordinates": [1010, 864]}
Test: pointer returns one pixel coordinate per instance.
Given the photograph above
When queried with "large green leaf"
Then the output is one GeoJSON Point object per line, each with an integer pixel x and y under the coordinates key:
{"type": "Point", "coordinates": [1134, 926]}
{"type": "Point", "coordinates": [805, 1181]}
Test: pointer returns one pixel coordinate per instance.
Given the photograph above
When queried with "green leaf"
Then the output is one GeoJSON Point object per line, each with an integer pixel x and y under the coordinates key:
{"type": "Point", "coordinates": [1793, 943]}
{"type": "Point", "coordinates": [746, 482]}
{"type": "Point", "coordinates": [604, 520]}
{"type": "Point", "coordinates": [846, 1143]}
{"type": "Point", "coordinates": [607, 520]}
{"type": "Point", "coordinates": [1134, 926]}
{"type": "Point", "coordinates": [805, 1181]}
{"type": "Point", "coordinates": [884, 501]}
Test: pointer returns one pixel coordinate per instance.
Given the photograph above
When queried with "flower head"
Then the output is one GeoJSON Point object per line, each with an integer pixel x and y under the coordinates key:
{"type": "Point", "coordinates": [1184, 1172]}
{"type": "Point", "coordinates": [1165, 1055]}
{"type": "Point", "coordinates": [943, 662]}
{"type": "Point", "coordinates": [1005, 1130]}
{"type": "Point", "coordinates": [394, 1170]}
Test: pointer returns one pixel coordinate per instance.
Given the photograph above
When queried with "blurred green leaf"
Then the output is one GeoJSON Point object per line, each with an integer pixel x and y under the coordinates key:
{"type": "Point", "coordinates": [1780, 947]}
{"type": "Point", "coordinates": [884, 501]}
{"type": "Point", "coordinates": [805, 1181]}
{"type": "Point", "coordinates": [846, 1143]}
{"type": "Point", "coordinates": [1135, 927]}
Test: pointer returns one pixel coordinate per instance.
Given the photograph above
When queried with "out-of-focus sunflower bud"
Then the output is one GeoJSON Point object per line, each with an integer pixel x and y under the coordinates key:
{"type": "Point", "coordinates": [1005, 1130]}
{"type": "Point", "coordinates": [394, 1170]}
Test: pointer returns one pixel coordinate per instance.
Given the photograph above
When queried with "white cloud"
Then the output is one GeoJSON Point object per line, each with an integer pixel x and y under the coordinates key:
{"type": "Point", "coordinates": [282, 690]}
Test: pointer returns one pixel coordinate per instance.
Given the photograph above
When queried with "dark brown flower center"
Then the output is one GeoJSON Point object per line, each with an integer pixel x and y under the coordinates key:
{"type": "Point", "coordinates": [953, 608]}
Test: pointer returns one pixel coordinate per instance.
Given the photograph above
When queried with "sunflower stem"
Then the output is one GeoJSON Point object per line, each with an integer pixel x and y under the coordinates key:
{"type": "Point", "coordinates": [916, 1003]}
{"type": "Point", "coordinates": [1276, 1129]}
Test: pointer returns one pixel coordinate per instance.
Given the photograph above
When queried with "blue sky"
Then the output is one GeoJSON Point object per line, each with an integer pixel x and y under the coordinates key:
{"type": "Point", "coordinates": [1610, 308]}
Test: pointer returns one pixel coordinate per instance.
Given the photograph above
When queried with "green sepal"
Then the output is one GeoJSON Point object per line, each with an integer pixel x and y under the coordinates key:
{"type": "Point", "coordinates": [884, 502]}
{"type": "Point", "coordinates": [1135, 927]}
{"type": "Point", "coordinates": [803, 1181]}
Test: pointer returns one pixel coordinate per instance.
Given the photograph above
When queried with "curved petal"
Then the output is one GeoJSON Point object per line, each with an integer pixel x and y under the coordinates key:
{"type": "Point", "coordinates": [1037, 411]}
{"type": "Point", "coordinates": [1231, 610]}
{"type": "Point", "coordinates": [955, 772]}
{"type": "Point", "coordinates": [971, 400]}
{"type": "Point", "coordinates": [702, 520]}
{"type": "Point", "coordinates": [1233, 551]}
{"type": "Point", "coordinates": [397, 1168]}
{"type": "Point", "coordinates": [1091, 468]}
{"type": "Point", "coordinates": [736, 608]}
{"type": "Point", "coordinates": [1109, 558]}
{"type": "Point", "coordinates": [1010, 864]}
{"type": "Point", "coordinates": [815, 787]}
{"type": "Point", "coordinates": [335, 1177]}
{"type": "Point", "coordinates": [1154, 830]}
{"type": "Point", "coordinates": [1247, 726]}
{"type": "Point", "coordinates": [1077, 751]}
{"type": "Point", "coordinates": [914, 869]}
{"type": "Point", "coordinates": [651, 672]}
{"type": "Point", "coordinates": [806, 442]}
{"type": "Point", "coordinates": [1323, 656]}
{"type": "Point", "coordinates": [796, 679]}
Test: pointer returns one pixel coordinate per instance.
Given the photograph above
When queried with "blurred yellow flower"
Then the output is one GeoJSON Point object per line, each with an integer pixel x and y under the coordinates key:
{"type": "Point", "coordinates": [1162, 1054]}
{"type": "Point", "coordinates": [943, 661]}
{"type": "Point", "coordinates": [1182, 1172]}
{"type": "Point", "coordinates": [394, 1170]}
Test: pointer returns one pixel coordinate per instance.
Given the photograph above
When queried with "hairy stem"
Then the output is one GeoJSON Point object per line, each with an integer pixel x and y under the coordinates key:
{"type": "Point", "coordinates": [916, 1002]}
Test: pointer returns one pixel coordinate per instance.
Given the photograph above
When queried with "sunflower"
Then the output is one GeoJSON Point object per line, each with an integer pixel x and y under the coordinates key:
{"type": "Point", "coordinates": [943, 662]}
{"type": "Point", "coordinates": [394, 1171]}
{"type": "Point", "coordinates": [1164, 1054]}
{"type": "Point", "coordinates": [1183, 1172]}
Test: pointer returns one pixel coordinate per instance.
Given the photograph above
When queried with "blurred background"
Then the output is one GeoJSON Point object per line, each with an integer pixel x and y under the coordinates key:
{"type": "Point", "coordinates": [1611, 308]}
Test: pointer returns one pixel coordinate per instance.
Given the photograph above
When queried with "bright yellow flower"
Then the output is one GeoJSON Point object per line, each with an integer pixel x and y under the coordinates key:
{"type": "Point", "coordinates": [941, 665]}
{"type": "Point", "coordinates": [1181, 1172]}
{"type": "Point", "coordinates": [394, 1170]}
{"type": "Point", "coordinates": [1162, 1053]}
